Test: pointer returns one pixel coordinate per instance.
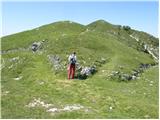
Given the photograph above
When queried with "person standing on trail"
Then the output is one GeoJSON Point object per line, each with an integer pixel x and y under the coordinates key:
{"type": "Point", "coordinates": [72, 65]}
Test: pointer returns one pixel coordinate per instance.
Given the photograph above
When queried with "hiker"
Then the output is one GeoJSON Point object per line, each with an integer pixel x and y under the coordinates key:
{"type": "Point", "coordinates": [72, 64]}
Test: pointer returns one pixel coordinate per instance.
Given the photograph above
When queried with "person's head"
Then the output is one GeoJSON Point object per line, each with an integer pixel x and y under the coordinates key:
{"type": "Point", "coordinates": [74, 53]}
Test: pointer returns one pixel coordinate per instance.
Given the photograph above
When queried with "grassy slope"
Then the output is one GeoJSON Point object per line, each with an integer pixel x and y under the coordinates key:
{"type": "Point", "coordinates": [129, 100]}
{"type": "Point", "coordinates": [52, 32]}
{"type": "Point", "coordinates": [136, 99]}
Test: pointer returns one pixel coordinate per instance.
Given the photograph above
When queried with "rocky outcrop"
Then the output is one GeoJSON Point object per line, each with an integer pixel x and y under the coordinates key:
{"type": "Point", "coordinates": [120, 76]}
{"type": "Point", "coordinates": [55, 61]}
{"type": "Point", "coordinates": [88, 71]}
{"type": "Point", "coordinates": [154, 52]}
{"type": "Point", "coordinates": [134, 37]}
{"type": "Point", "coordinates": [14, 50]}
{"type": "Point", "coordinates": [147, 48]}
{"type": "Point", "coordinates": [84, 72]}
{"type": "Point", "coordinates": [37, 45]}
{"type": "Point", "coordinates": [34, 47]}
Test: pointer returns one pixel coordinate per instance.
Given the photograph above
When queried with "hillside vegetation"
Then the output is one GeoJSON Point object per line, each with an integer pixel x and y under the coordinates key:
{"type": "Point", "coordinates": [124, 83]}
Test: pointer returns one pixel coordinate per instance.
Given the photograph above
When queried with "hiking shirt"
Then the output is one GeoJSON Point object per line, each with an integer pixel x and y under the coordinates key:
{"type": "Point", "coordinates": [72, 56]}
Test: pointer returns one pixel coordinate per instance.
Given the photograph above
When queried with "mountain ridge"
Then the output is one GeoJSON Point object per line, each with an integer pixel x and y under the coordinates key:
{"type": "Point", "coordinates": [116, 72]}
{"type": "Point", "coordinates": [68, 21]}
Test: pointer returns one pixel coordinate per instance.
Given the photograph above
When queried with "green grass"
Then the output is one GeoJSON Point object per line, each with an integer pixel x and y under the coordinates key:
{"type": "Point", "coordinates": [127, 99]}
{"type": "Point", "coordinates": [101, 96]}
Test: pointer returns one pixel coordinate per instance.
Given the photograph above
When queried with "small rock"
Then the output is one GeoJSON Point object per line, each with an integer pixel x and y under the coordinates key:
{"type": "Point", "coordinates": [55, 60]}
{"type": "Point", "coordinates": [126, 77]}
{"type": "Point", "coordinates": [5, 92]}
{"type": "Point", "coordinates": [14, 59]}
{"type": "Point", "coordinates": [72, 107]}
{"type": "Point", "coordinates": [110, 108]}
{"type": "Point", "coordinates": [87, 71]}
{"type": "Point", "coordinates": [18, 78]}
{"type": "Point", "coordinates": [36, 46]}
{"type": "Point", "coordinates": [151, 81]}
{"type": "Point", "coordinates": [133, 77]}
{"type": "Point", "coordinates": [147, 116]}
{"type": "Point", "coordinates": [52, 110]}
{"type": "Point", "coordinates": [41, 83]}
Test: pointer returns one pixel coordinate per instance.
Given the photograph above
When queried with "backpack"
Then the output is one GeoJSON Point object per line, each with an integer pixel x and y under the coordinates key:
{"type": "Point", "coordinates": [73, 60]}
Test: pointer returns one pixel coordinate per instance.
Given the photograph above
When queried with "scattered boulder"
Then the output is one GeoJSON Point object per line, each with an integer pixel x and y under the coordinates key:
{"type": "Point", "coordinates": [18, 78]}
{"type": "Point", "coordinates": [88, 71]}
{"type": "Point", "coordinates": [144, 66]}
{"type": "Point", "coordinates": [53, 109]}
{"type": "Point", "coordinates": [150, 49]}
{"type": "Point", "coordinates": [126, 77]}
{"type": "Point", "coordinates": [37, 45]}
{"type": "Point", "coordinates": [134, 73]}
{"type": "Point", "coordinates": [84, 72]}
{"type": "Point", "coordinates": [38, 103]}
{"type": "Point", "coordinates": [55, 60]}
{"type": "Point", "coordinates": [134, 77]}
{"type": "Point", "coordinates": [134, 37]}
{"type": "Point", "coordinates": [121, 76]}
{"type": "Point", "coordinates": [14, 59]}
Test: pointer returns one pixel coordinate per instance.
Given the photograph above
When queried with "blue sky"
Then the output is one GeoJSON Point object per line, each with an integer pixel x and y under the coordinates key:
{"type": "Point", "coordinates": [20, 16]}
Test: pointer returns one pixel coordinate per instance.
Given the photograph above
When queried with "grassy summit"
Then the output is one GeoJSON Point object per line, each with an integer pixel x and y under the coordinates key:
{"type": "Point", "coordinates": [33, 86]}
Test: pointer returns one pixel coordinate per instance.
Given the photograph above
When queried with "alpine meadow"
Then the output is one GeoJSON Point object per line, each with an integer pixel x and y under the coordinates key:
{"type": "Point", "coordinates": [117, 73]}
